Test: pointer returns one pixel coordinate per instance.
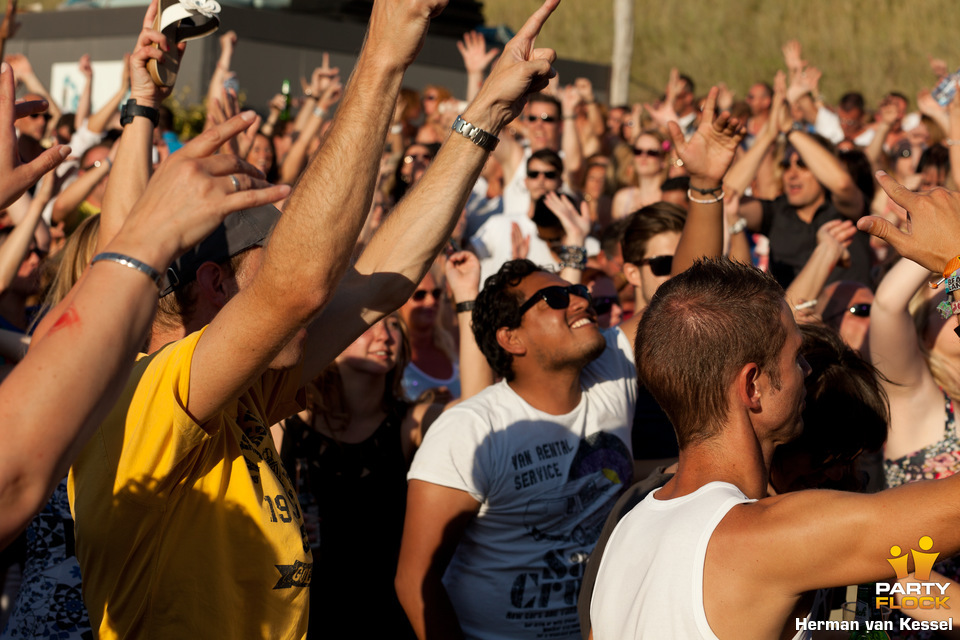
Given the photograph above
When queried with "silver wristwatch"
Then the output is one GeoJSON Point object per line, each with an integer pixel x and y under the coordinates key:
{"type": "Point", "coordinates": [475, 134]}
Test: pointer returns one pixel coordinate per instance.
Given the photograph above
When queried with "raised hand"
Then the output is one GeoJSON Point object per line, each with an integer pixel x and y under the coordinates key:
{"type": "Point", "coordinates": [932, 230]}
{"type": "Point", "coordinates": [9, 26]}
{"type": "Point", "coordinates": [15, 176]}
{"type": "Point", "coordinates": [576, 224]}
{"type": "Point", "coordinates": [473, 50]}
{"type": "Point", "coordinates": [709, 152]}
{"type": "Point", "coordinates": [519, 243]}
{"type": "Point", "coordinates": [323, 76]}
{"type": "Point", "coordinates": [522, 69]}
{"type": "Point", "coordinates": [397, 29]}
{"type": "Point", "coordinates": [20, 65]}
{"type": "Point", "coordinates": [838, 235]}
{"type": "Point", "coordinates": [85, 67]}
{"type": "Point", "coordinates": [193, 191]}
{"type": "Point", "coordinates": [663, 113]}
{"type": "Point", "coordinates": [463, 275]}
{"type": "Point", "coordinates": [938, 66]}
{"type": "Point", "coordinates": [151, 45]}
{"type": "Point", "coordinates": [793, 56]}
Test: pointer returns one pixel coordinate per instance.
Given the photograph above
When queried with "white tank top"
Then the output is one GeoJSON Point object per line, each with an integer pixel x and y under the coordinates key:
{"type": "Point", "coordinates": [650, 581]}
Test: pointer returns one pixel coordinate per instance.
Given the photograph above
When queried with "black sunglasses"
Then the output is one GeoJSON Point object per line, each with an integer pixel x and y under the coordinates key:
{"type": "Point", "coordinates": [660, 265]}
{"type": "Point", "coordinates": [421, 294]}
{"type": "Point", "coordinates": [785, 163]}
{"type": "Point", "coordinates": [417, 158]}
{"type": "Point", "coordinates": [861, 310]}
{"type": "Point", "coordinates": [653, 153]}
{"type": "Point", "coordinates": [46, 116]}
{"type": "Point", "coordinates": [541, 118]}
{"type": "Point", "coordinates": [603, 304]}
{"type": "Point", "coordinates": [549, 175]}
{"type": "Point", "coordinates": [557, 297]}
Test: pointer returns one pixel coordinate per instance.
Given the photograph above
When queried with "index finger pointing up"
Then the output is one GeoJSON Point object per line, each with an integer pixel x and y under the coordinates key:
{"type": "Point", "coordinates": [531, 28]}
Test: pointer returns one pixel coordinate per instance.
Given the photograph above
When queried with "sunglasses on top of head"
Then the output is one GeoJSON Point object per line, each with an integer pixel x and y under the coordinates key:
{"type": "Point", "coordinates": [556, 297]}
{"type": "Point", "coordinates": [660, 265]}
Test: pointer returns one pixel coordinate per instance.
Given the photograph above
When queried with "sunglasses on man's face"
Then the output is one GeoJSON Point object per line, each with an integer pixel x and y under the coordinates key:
{"type": "Point", "coordinates": [861, 310]}
{"type": "Point", "coordinates": [556, 297]}
{"type": "Point", "coordinates": [421, 294]}
{"type": "Point", "coordinates": [543, 117]}
{"type": "Point", "coordinates": [603, 304]}
{"type": "Point", "coordinates": [660, 265]}
{"type": "Point", "coordinates": [653, 153]}
{"type": "Point", "coordinates": [785, 163]}
{"type": "Point", "coordinates": [46, 116]}
{"type": "Point", "coordinates": [549, 175]}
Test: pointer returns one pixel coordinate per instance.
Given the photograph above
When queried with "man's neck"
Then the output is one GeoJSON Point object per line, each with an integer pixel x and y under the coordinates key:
{"type": "Point", "coordinates": [734, 456]}
{"type": "Point", "coordinates": [553, 392]}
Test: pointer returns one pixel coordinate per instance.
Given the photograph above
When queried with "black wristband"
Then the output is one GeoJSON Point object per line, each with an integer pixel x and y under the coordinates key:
{"type": "Point", "coordinates": [466, 306]}
{"type": "Point", "coordinates": [131, 110]}
{"type": "Point", "coordinates": [717, 188]}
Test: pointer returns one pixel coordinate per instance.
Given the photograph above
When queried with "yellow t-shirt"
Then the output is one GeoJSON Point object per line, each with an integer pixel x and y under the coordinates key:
{"type": "Point", "coordinates": [185, 529]}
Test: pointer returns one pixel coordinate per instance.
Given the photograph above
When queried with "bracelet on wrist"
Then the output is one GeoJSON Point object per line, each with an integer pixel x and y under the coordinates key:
{"type": "Point", "coordinates": [950, 142]}
{"type": "Point", "coordinates": [573, 256]}
{"type": "Point", "coordinates": [715, 189]}
{"type": "Point", "coordinates": [738, 226]}
{"type": "Point", "coordinates": [463, 307]}
{"type": "Point", "coordinates": [483, 139]}
{"type": "Point", "coordinates": [714, 200]}
{"type": "Point", "coordinates": [319, 112]}
{"type": "Point", "coordinates": [127, 261]}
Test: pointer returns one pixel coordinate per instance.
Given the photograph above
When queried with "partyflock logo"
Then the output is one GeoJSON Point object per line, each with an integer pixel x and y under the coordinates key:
{"type": "Point", "coordinates": [913, 595]}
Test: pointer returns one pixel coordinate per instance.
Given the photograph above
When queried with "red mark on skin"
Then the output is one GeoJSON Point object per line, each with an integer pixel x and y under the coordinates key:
{"type": "Point", "coordinates": [69, 318]}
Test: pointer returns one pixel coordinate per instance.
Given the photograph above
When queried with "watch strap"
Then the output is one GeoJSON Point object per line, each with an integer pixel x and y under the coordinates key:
{"type": "Point", "coordinates": [131, 110]}
{"type": "Point", "coordinates": [476, 135]}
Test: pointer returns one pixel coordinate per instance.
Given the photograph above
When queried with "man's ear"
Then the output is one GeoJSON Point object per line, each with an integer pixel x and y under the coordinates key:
{"type": "Point", "coordinates": [632, 273]}
{"type": "Point", "coordinates": [212, 280]}
{"type": "Point", "coordinates": [749, 387]}
{"type": "Point", "coordinates": [510, 341]}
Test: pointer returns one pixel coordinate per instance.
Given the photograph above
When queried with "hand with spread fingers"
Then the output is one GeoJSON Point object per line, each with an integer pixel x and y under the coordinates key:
{"type": "Point", "coordinates": [576, 224]}
{"type": "Point", "coordinates": [931, 235]}
{"type": "Point", "coordinates": [16, 176]}
{"type": "Point", "coordinates": [193, 191]}
{"type": "Point", "coordinates": [710, 151]}
{"type": "Point", "coordinates": [521, 70]}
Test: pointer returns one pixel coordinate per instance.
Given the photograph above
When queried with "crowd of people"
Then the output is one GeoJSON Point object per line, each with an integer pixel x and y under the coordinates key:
{"type": "Point", "coordinates": [387, 363]}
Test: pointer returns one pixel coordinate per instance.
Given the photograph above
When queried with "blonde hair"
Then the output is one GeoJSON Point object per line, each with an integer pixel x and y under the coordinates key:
{"type": "Point", "coordinates": [69, 264]}
{"type": "Point", "coordinates": [944, 372]}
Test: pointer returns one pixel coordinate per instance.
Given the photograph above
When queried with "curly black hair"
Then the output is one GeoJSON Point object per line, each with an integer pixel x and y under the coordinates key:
{"type": "Point", "coordinates": [498, 305]}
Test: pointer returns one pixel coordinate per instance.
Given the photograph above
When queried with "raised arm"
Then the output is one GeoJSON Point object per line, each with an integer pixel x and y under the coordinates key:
{"type": "Point", "coordinates": [833, 238]}
{"type": "Point", "coordinates": [83, 106]}
{"type": "Point", "coordinates": [830, 172]}
{"type": "Point", "coordinates": [328, 91]}
{"type": "Point", "coordinates": [25, 74]}
{"type": "Point", "coordinates": [15, 247]}
{"type": "Point", "coordinates": [706, 156]}
{"type": "Point", "coordinates": [894, 348]}
{"type": "Point", "coordinates": [98, 121]}
{"type": "Point", "coordinates": [463, 276]}
{"type": "Point", "coordinates": [407, 242]}
{"type": "Point", "coordinates": [9, 26]}
{"type": "Point", "coordinates": [476, 59]}
{"type": "Point", "coordinates": [15, 176]}
{"type": "Point", "coordinates": [104, 319]}
{"type": "Point", "coordinates": [314, 238]}
{"type": "Point", "coordinates": [133, 150]}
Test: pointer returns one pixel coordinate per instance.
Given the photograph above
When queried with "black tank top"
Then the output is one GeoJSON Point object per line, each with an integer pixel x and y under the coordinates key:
{"type": "Point", "coordinates": [361, 490]}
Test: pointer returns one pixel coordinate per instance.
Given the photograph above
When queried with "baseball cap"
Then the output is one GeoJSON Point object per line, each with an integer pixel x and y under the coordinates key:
{"type": "Point", "coordinates": [238, 232]}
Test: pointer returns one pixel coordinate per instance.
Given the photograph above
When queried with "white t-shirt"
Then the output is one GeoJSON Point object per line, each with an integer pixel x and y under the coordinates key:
{"type": "Point", "coordinates": [545, 483]}
{"type": "Point", "coordinates": [493, 246]}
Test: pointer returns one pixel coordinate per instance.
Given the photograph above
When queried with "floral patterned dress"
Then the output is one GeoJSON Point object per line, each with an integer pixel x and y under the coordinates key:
{"type": "Point", "coordinates": [50, 604]}
{"type": "Point", "coordinates": [938, 460]}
